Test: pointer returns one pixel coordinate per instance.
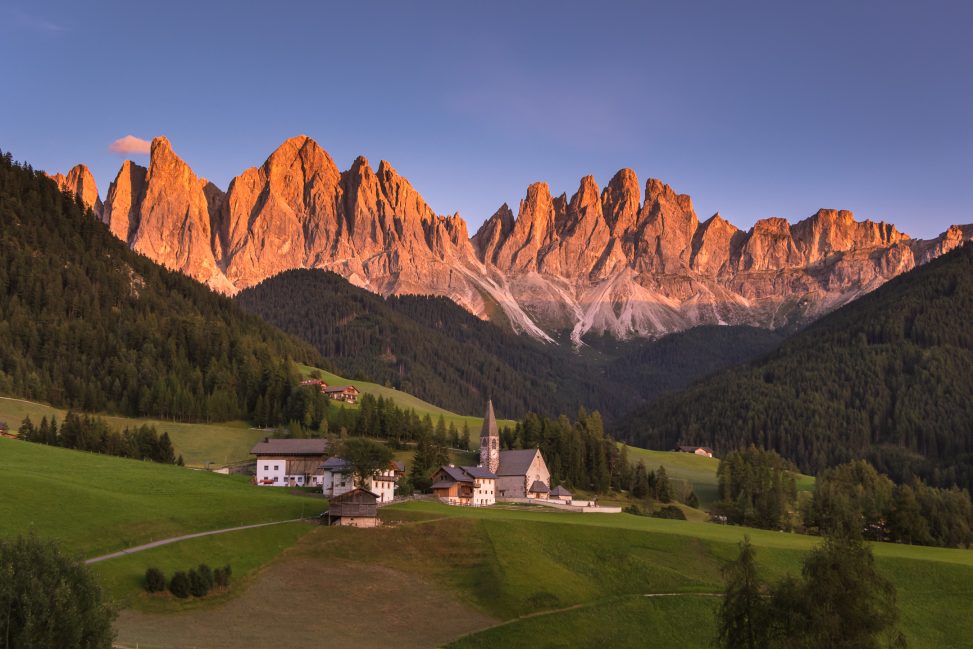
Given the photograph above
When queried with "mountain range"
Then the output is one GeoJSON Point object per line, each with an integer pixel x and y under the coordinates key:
{"type": "Point", "coordinates": [621, 260]}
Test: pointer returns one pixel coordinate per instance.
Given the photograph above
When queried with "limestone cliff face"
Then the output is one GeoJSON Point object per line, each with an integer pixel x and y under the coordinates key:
{"type": "Point", "coordinates": [618, 259]}
{"type": "Point", "coordinates": [80, 181]}
{"type": "Point", "coordinates": [124, 200]}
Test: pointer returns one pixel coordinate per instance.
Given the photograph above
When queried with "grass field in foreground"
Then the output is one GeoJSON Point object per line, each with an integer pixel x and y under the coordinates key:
{"type": "Point", "coordinates": [550, 580]}
{"type": "Point", "coordinates": [246, 551]}
{"type": "Point", "coordinates": [94, 504]}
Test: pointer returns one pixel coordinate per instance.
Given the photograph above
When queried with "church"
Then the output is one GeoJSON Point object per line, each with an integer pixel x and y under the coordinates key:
{"type": "Point", "coordinates": [521, 473]}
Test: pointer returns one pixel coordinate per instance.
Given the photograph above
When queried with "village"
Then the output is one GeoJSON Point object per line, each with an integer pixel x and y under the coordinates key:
{"type": "Point", "coordinates": [515, 476]}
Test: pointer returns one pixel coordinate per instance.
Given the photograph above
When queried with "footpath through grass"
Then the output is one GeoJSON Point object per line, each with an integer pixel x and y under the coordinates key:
{"type": "Point", "coordinates": [95, 504]}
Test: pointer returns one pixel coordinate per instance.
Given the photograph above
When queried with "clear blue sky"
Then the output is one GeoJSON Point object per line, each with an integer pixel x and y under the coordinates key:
{"type": "Point", "coordinates": [755, 109]}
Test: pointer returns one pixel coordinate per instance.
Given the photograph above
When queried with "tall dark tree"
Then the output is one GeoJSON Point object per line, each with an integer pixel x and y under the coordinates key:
{"type": "Point", "coordinates": [743, 620]}
{"type": "Point", "coordinates": [49, 600]}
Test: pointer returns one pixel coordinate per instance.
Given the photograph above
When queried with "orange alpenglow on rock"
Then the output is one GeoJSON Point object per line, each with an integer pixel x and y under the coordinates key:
{"type": "Point", "coordinates": [615, 260]}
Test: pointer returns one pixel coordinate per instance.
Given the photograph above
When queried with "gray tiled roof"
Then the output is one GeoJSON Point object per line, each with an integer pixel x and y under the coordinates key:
{"type": "Point", "coordinates": [479, 472]}
{"type": "Point", "coordinates": [560, 491]}
{"type": "Point", "coordinates": [335, 464]}
{"type": "Point", "coordinates": [516, 462]}
{"type": "Point", "coordinates": [457, 474]}
{"type": "Point", "coordinates": [539, 488]}
{"type": "Point", "coordinates": [290, 447]}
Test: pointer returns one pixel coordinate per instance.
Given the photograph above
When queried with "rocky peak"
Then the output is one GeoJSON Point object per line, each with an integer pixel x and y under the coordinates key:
{"type": "Point", "coordinates": [174, 224]}
{"type": "Point", "coordinates": [715, 243]}
{"type": "Point", "coordinates": [532, 232]}
{"type": "Point", "coordinates": [121, 212]}
{"type": "Point", "coordinates": [80, 182]}
{"type": "Point", "coordinates": [621, 201]}
{"type": "Point", "coordinates": [666, 226]}
{"type": "Point", "coordinates": [493, 233]}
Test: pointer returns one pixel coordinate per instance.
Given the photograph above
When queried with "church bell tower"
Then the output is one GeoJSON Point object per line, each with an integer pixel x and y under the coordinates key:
{"type": "Point", "coordinates": [490, 441]}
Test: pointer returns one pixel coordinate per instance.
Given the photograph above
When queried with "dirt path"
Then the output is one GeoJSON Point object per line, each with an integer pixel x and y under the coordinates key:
{"type": "Point", "coordinates": [184, 537]}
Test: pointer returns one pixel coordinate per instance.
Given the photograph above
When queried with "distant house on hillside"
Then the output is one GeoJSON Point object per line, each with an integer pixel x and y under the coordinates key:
{"type": "Point", "coordinates": [356, 508]}
{"type": "Point", "coordinates": [337, 478]}
{"type": "Point", "coordinates": [346, 393]}
{"type": "Point", "coordinates": [290, 462]}
{"type": "Point", "coordinates": [473, 486]}
{"type": "Point", "coordinates": [696, 450]}
{"type": "Point", "coordinates": [521, 473]}
{"type": "Point", "coordinates": [321, 385]}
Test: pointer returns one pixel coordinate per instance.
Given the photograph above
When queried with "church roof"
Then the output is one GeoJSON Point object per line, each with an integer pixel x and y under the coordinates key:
{"type": "Point", "coordinates": [539, 488]}
{"type": "Point", "coordinates": [560, 491]}
{"type": "Point", "coordinates": [489, 422]}
{"type": "Point", "coordinates": [516, 462]}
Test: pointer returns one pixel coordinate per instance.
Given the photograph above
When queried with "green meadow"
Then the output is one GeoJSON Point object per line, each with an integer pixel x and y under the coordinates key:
{"type": "Point", "coordinates": [504, 576]}
{"type": "Point", "coordinates": [95, 504]}
{"type": "Point", "coordinates": [407, 401]}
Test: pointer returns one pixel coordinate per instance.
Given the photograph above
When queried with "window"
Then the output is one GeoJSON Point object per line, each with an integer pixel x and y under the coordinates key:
{"type": "Point", "coordinates": [275, 467]}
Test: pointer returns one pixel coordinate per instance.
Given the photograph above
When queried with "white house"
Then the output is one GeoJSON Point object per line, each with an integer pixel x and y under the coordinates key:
{"type": "Point", "coordinates": [338, 478]}
{"type": "Point", "coordinates": [289, 462]}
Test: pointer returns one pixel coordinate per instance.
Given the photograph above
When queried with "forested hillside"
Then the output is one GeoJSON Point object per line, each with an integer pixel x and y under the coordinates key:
{"type": "Point", "coordinates": [86, 323]}
{"type": "Point", "coordinates": [432, 348]}
{"type": "Point", "coordinates": [888, 377]}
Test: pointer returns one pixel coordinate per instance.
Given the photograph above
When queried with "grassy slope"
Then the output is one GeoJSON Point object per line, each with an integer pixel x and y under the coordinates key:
{"type": "Point", "coordinates": [94, 504]}
{"type": "Point", "coordinates": [407, 401]}
{"type": "Point", "coordinates": [533, 561]}
{"type": "Point", "coordinates": [246, 551]}
{"type": "Point", "coordinates": [697, 470]}
{"type": "Point", "coordinates": [219, 443]}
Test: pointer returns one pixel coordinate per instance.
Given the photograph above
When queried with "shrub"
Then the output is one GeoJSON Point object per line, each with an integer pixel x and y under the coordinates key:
{"type": "Point", "coordinates": [179, 585]}
{"type": "Point", "coordinates": [221, 576]}
{"type": "Point", "coordinates": [670, 511]}
{"type": "Point", "coordinates": [693, 500]}
{"type": "Point", "coordinates": [155, 581]}
{"type": "Point", "coordinates": [206, 574]}
{"type": "Point", "coordinates": [197, 585]}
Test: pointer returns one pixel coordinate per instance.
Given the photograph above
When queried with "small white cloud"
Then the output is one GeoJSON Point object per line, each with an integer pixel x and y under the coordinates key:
{"type": "Point", "coordinates": [129, 145]}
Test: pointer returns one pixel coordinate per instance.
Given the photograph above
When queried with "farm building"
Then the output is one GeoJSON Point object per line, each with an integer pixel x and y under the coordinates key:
{"type": "Point", "coordinates": [518, 471]}
{"type": "Point", "coordinates": [337, 477]}
{"type": "Point", "coordinates": [318, 383]}
{"type": "Point", "coordinates": [560, 493]}
{"type": "Point", "coordinates": [346, 393]}
{"type": "Point", "coordinates": [356, 508]}
{"type": "Point", "coordinates": [473, 486]}
{"type": "Point", "coordinates": [289, 462]}
{"type": "Point", "coordinates": [705, 451]}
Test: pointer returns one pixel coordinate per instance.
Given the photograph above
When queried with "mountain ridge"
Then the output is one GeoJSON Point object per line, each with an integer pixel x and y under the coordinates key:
{"type": "Point", "coordinates": [617, 260]}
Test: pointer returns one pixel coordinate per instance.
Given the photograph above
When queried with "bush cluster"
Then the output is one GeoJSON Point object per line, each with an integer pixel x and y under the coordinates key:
{"type": "Point", "coordinates": [196, 582]}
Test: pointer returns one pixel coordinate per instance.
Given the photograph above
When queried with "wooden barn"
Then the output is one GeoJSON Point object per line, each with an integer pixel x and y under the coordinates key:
{"type": "Point", "coordinates": [357, 508]}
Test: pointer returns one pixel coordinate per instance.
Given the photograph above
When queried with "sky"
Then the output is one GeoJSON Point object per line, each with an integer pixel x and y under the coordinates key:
{"type": "Point", "coordinates": [755, 109]}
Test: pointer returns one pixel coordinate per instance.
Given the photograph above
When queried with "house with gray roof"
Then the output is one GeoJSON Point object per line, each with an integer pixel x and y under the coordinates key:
{"type": "Point", "coordinates": [473, 486]}
{"type": "Point", "coordinates": [338, 477]}
{"type": "Point", "coordinates": [289, 462]}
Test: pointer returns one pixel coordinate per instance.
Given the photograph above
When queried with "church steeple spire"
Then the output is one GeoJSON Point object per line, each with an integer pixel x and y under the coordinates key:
{"type": "Point", "coordinates": [490, 440]}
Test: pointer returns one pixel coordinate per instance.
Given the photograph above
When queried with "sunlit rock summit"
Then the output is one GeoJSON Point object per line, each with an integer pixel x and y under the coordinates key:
{"type": "Point", "coordinates": [626, 260]}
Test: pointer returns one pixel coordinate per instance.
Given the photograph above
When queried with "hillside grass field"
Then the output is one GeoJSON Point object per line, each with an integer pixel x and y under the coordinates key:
{"type": "Point", "coordinates": [502, 576]}
{"type": "Point", "coordinates": [536, 577]}
{"type": "Point", "coordinates": [95, 504]}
